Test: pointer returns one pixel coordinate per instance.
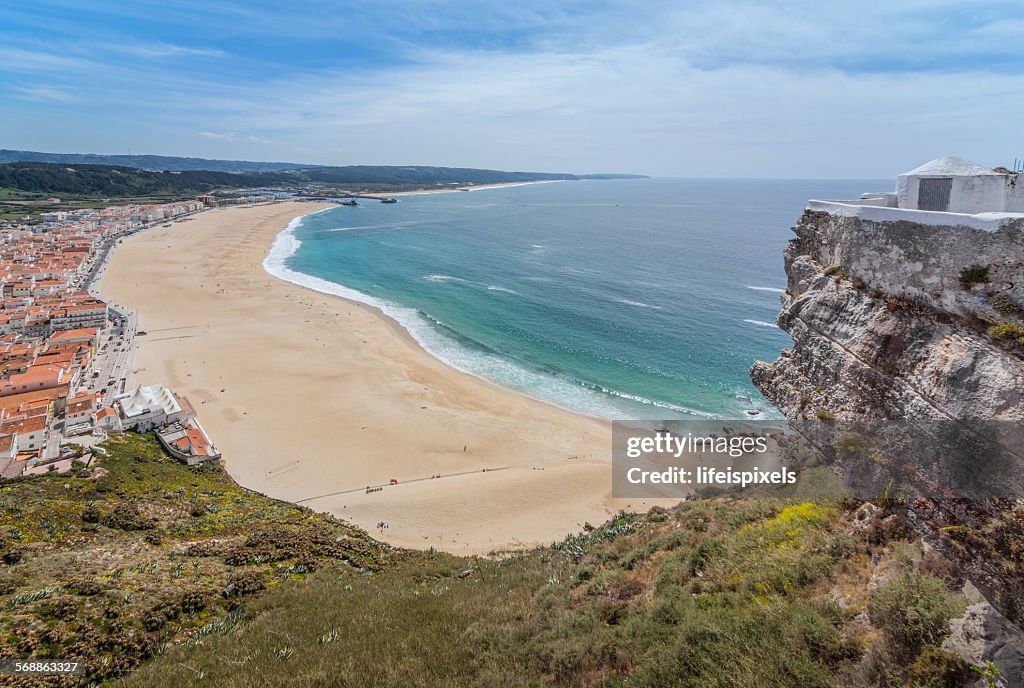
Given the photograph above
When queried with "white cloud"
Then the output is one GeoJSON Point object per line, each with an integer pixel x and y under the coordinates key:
{"type": "Point", "coordinates": [45, 94]}
{"type": "Point", "coordinates": [733, 89]}
{"type": "Point", "coordinates": [159, 50]}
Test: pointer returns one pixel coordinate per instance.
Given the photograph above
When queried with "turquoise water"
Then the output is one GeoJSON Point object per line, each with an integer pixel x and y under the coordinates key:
{"type": "Point", "coordinates": [626, 299]}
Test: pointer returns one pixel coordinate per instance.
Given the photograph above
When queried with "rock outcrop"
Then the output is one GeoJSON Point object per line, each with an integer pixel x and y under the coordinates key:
{"type": "Point", "coordinates": [892, 320]}
{"type": "Point", "coordinates": [908, 321]}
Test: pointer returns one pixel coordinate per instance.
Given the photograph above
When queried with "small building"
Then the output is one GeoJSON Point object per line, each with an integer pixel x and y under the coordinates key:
{"type": "Point", "coordinates": [187, 441]}
{"type": "Point", "coordinates": [78, 414]}
{"type": "Point", "coordinates": [954, 185]}
{"type": "Point", "coordinates": [108, 420]}
{"type": "Point", "coordinates": [151, 406]}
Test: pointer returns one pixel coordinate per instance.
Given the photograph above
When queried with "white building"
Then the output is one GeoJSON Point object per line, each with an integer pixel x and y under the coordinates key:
{"type": "Point", "coordinates": [955, 185]}
{"type": "Point", "coordinates": [151, 406]}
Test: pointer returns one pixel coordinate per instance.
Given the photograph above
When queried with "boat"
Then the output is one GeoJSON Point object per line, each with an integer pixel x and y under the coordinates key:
{"type": "Point", "coordinates": [389, 200]}
{"type": "Point", "coordinates": [350, 201]}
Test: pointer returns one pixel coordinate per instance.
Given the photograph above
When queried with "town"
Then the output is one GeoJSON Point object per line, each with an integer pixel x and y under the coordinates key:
{"type": "Point", "coordinates": [66, 356]}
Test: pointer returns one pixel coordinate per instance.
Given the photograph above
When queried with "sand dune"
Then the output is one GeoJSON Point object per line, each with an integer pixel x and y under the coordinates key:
{"type": "Point", "coordinates": [311, 397]}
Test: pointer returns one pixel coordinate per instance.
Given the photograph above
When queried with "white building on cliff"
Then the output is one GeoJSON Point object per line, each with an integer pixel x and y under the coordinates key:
{"type": "Point", "coordinates": [955, 185]}
{"type": "Point", "coordinates": [947, 191]}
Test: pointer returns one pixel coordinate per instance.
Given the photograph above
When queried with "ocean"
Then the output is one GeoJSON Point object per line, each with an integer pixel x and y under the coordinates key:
{"type": "Point", "coordinates": [628, 299]}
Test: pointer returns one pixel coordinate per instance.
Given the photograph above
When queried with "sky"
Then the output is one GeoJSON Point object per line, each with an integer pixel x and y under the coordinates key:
{"type": "Point", "coordinates": [794, 89]}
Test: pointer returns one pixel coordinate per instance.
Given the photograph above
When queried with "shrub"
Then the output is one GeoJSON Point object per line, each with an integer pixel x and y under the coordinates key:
{"type": "Point", "coordinates": [64, 608]}
{"type": "Point", "coordinates": [1007, 330]}
{"type": "Point", "coordinates": [824, 415]}
{"type": "Point", "coordinates": [657, 514]}
{"type": "Point", "coordinates": [91, 513]}
{"type": "Point", "coordinates": [837, 271]}
{"type": "Point", "coordinates": [192, 601]}
{"type": "Point", "coordinates": [974, 274]}
{"type": "Point", "coordinates": [244, 584]}
{"type": "Point", "coordinates": [1004, 305]}
{"type": "Point", "coordinates": [912, 610]}
{"type": "Point", "coordinates": [126, 517]}
{"type": "Point", "coordinates": [935, 668]}
{"type": "Point", "coordinates": [851, 444]}
{"type": "Point", "coordinates": [84, 587]}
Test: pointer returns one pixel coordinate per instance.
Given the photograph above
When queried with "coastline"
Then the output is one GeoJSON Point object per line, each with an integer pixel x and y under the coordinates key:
{"type": "Point", "coordinates": [305, 421]}
{"type": "Point", "coordinates": [477, 187]}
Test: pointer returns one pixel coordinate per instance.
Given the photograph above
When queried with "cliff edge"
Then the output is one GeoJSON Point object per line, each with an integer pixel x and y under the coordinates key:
{"type": "Point", "coordinates": [900, 319]}
{"type": "Point", "coordinates": [918, 320]}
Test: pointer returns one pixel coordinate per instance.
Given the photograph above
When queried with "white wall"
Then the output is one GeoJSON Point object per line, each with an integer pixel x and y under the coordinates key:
{"type": "Point", "coordinates": [981, 194]}
{"type": "Point", "coordinates": [970, 195]}
{"type": "Point", "coordinates": [1015, 193]}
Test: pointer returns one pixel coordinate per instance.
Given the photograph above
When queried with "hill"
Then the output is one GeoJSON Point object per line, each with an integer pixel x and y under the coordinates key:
{"type": "Point", "coordinates": [118, 181]}
{"type": "Point", "coordinates": [105, 180]}
{"type": "Point", "coordinates": [175, 576]}
{"type": "Point", "coordinates": [148, 162]}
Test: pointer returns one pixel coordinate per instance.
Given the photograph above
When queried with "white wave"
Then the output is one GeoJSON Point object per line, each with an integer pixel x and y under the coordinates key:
{"type": "Point", "coordinates": [442, 278]}
{"type": "Point", "coordinates": [492, 287]}
{"type": "Point", "coordinates": [658, 404]}
{"type": "Point", "coordinates": [383, 225]}
{"type": "Point", "coordinates": [761, 323]}
{"type": "Point", "coordinates": [638, 304]}
{"type": "Point", "coordinates": [774, 290]}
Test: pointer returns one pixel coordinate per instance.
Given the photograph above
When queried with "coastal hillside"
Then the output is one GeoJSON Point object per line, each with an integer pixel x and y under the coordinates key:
{"type": "Point", "coordinates": [173, 576]}
{"type": "Point", "coordinates": [45, 177]}
{"type": "Point", "coordinates": [168, 163]}
{"type": "Point", "coordinates": [120, 560]}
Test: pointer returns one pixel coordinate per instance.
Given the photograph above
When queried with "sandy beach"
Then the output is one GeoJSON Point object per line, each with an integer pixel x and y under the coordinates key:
{"type": "Point", "coordinates": [311, 398]}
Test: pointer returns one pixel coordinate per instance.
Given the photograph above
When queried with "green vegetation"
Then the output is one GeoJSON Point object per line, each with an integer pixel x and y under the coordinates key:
{"type": "Point", "coordinates": [140, 564]}
{"type": "Point", "coordinates": [147, 162]}
{"type": "Point", "coordinates": [913, 610]}
{"type": "Point", "coordinates": [128, 182]}
{"type": "Point", "coordinates": [710, 593]}
{"type": "Point", "coordinates": [117, 562]}
{"type": "Point", "coordinates": [45, 178]}
{"type": "Point", "coordinates": [824, 414]}
{"type": "Point", "coordinates": [1008, 331]}
{"type": "Point", "coordinates": [836, 271]}
{"type": "Point", "coordinates": [974, 274]}
{"type": "Point", "coordinates": [1004, 305]}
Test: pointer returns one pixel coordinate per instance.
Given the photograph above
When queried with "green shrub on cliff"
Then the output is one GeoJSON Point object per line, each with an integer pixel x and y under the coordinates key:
{"type": "Point", "coordinates": [974, 274]}
{"type": "Point", "coordinates": [913, 610]}
{"type": "Point", "coordinates": [1008, 331]}
{"type": "Point", "coordinates": [1004, 305]}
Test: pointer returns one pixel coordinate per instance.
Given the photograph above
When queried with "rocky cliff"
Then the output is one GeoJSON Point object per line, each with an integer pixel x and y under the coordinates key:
{"type": "Point", "coordinates": [915, 321]}
{"type": "Point", "coordinates": [900, 320]}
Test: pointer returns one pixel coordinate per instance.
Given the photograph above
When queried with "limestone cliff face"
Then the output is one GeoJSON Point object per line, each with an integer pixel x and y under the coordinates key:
{"type": "Point", "coordinates": [884, 327]}
{"type": "Point", "coordinates": [887, 324]}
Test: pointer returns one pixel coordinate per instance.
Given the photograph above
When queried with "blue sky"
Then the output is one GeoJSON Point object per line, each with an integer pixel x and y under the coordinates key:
{"type": "Point", "coordinates": [749, 89]}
